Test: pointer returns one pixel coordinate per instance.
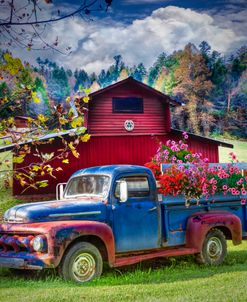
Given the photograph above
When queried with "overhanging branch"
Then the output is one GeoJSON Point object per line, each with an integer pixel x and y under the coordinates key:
{"type": "Point", "coordinates": [83, 8]}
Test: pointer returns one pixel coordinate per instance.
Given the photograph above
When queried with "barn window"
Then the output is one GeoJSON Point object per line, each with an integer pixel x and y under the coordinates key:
{"type": "Point", "coordinates": [127, 105]}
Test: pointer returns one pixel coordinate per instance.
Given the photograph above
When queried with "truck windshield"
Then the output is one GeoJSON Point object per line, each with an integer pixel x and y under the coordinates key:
{"type": "Point", "coordinates": [88, 185]}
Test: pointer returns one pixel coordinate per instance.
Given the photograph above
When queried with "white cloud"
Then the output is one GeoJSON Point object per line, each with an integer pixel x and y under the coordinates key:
{"type": "Point", "coordinates": [167, 29]}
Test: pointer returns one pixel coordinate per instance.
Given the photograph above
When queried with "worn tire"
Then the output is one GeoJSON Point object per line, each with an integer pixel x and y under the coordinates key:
{"type": "Point", "coordinates": [214, 248]}
{"type": "Point", "coordinates": [81, 263]}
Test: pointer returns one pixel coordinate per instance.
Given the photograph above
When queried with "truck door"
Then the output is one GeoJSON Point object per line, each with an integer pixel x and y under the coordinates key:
{"type": "Point", "coordinates": [136, 221]}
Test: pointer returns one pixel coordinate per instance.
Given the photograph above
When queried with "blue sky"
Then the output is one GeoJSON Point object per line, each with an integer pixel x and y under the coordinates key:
{"type": "Point", "coordinates": [140, 30]}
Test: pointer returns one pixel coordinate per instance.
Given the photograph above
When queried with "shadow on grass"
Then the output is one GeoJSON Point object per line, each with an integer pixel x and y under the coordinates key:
{"type": "Point", "coordinates": [162, 270]}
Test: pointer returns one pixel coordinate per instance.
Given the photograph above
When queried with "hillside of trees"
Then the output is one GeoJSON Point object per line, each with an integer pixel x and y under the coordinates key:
{"type": "Point", "coordinates": [213, 88]}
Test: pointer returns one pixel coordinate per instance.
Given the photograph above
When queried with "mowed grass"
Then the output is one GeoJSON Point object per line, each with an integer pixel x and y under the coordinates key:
{"type": "Point", "coordinates": [240, 149]}
{"type": "Point", "coordinates": [172, 279]}
{"type": "Point", "coordinates": [168, 279]}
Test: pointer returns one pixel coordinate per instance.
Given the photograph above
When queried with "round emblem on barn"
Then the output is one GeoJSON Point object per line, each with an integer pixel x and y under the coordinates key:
{"type": "Point", "coordinates": [129, 125]}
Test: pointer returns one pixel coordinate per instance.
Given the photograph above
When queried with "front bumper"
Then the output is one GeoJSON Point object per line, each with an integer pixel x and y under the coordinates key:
{"type": "Point", "coordinates": [17, 263]}
{"type": "Point", "coordinates": [25, 261]}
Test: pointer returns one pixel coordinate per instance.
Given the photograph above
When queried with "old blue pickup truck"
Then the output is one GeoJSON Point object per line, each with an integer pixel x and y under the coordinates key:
{"type": "Point", "coordinates": [114, 214]}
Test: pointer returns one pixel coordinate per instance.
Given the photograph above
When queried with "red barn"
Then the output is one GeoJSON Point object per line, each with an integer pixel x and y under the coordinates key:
{"type": "Point", "coordinates": [125, 121]}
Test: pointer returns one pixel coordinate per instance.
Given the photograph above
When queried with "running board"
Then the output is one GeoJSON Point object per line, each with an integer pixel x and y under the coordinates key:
{"type": "Point", "coordinates": [161, 253]}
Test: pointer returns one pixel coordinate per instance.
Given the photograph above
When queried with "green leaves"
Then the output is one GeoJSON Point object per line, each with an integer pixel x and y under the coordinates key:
{"type": "Point", "coordinates": [42, 183]}
{"type": "Point", "coordinates": [77, 122]}
{"type": "Point", "coordinates": [18, 159]}
{"type": "Point", "coordinates": [12, 65]}
{"type": "Point", "coordinates": [35, 98]}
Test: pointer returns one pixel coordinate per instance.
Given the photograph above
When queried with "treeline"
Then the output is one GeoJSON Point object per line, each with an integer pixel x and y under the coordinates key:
{"type": "Point", "coordinates": [212, 88]}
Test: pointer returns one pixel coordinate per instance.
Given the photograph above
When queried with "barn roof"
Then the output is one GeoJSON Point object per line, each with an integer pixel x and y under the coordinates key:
{"type": "Point", "coordinates": [203, 138]}
{"type": "Point", "coordinates": [131, 80]}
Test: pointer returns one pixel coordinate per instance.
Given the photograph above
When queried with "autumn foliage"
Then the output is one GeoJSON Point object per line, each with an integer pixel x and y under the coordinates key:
{"type": "Point", "coordinates": [27, 90]}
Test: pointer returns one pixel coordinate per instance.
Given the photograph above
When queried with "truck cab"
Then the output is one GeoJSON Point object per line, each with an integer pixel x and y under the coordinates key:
{"type": "Point", "coordinates": [114, 214]}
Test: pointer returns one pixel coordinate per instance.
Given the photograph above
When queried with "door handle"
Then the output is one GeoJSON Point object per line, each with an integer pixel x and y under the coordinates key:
{"type": "Point", "coordinates": [152, 209]}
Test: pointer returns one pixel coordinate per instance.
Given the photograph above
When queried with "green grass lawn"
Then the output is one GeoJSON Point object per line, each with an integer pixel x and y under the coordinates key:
{"type": "Point", "coordinates": [173, 279]}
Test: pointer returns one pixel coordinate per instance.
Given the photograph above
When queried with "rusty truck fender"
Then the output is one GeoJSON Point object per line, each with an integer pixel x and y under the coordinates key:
{"type": "Point", "coordinates": [71, 232]}
{"type": "Point", "coordinates": [199, 224]}
{"type": "Point", "coordinates": [62, 234]}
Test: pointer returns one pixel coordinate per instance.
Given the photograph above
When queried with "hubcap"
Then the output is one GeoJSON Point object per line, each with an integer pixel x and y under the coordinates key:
{"type": "Point", "coordinates": [84, 267]}
{"type": "Point", "coordinates": [214, 248]}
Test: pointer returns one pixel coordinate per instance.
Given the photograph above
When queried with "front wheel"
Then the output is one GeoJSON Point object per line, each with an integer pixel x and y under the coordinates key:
{"type": "Point", "coordinates": [82, 263]}
{"type": "Point", "coordinates": [214, 248]}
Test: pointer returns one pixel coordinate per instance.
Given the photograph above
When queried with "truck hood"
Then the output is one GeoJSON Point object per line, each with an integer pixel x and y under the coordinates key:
{"type": "Point", "coordinates": [82, 209]}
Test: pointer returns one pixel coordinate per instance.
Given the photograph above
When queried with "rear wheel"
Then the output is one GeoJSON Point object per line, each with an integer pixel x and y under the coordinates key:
{"type": "Point", "coordinates": [214, 248]}
{"type": "Point", "coordinates": [82, 263]}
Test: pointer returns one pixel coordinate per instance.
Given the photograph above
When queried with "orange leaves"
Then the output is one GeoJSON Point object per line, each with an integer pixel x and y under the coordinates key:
{"type": "Point", "coordinates": [73, 150]}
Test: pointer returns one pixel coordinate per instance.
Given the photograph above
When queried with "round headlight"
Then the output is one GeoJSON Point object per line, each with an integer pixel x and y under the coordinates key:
{"type": "Point", "coordinates": [38, 243]}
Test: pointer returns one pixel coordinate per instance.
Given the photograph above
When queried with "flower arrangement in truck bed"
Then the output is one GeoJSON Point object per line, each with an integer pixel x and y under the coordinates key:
{"type": "Point", "coordinates": [197, 179]}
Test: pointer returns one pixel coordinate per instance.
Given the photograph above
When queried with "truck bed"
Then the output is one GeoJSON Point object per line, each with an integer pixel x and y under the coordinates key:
{"type": "Point", "coordinates": [175, 214]}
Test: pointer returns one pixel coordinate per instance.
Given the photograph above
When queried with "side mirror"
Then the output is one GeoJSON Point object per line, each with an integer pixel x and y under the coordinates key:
{"type": "Point", "coordinates": [123, 191]}
{"type": "Point", "coordinates": [60, 190]}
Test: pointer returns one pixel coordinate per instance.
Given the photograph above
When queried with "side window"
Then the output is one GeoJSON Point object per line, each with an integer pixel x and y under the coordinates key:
{"type": "Point", "coordinates": [138, 186]}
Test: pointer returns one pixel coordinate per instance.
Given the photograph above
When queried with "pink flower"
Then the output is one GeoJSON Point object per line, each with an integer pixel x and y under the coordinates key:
{"type": "Point", "coordinates": [243, 191]}
{"type": "Point", "coordinates": [243, 201]}
{"type": "Point", "coordinates": [168, 143]}
{"type": "Point", "coordinates": [241, 180]}
{"type": "Point", "coordinates": [224, 187]}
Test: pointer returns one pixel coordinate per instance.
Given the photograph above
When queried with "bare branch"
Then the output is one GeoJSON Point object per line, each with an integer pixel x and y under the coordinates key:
{"type": "Point", "coordinates": [11, 10]}
{"type": "Point", "coordinates": [81, 9]}
{"type": "Point", "coordinates": [47, 44]}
